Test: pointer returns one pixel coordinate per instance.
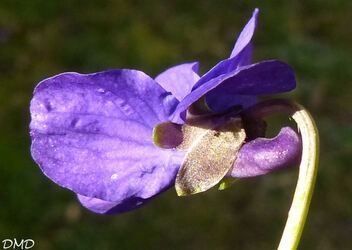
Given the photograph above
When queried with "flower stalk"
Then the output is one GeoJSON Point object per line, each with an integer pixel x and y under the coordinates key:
{"type": "Point", "coordinates": [308, 166]}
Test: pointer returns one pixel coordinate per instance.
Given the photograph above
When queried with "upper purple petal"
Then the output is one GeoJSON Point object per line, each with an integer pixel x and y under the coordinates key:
{"type": "Point", "coordinates": [262, 155]}
{"type": "Point", "coordinates": [246, 34]}
{"type": "Point", "coordinates": [245, 56]}
{"type": "Point", "coordinates": [226, 66]}
{"type": "Point", "coordinates": [267, 77]}
{"type": "Point", "coordinates": [179, 80]}
{"type": "Point", "coordinates": [93, 134]}
{"type": "Point", "coordinates": [241, 54]}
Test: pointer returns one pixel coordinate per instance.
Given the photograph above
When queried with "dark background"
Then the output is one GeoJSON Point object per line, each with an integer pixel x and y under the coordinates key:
{"type": "Point", "coordinates": [39, 39]}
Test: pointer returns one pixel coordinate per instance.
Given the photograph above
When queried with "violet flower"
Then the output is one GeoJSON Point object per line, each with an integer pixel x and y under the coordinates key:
{"type": "Point", "coordinates": [93, 133]}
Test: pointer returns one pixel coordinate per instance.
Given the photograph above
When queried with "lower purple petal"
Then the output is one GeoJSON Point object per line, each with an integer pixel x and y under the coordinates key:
{"type": "Point", "coordinates": [108, 207]}
{"type": "Point", "coordinates": [93, 134]}
{"type": "Point", "coordinates": [262, 156]}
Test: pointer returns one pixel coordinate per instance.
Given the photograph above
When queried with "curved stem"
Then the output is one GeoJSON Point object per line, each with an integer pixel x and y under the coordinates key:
{"type": "Point", "coordinates": [308, 167]}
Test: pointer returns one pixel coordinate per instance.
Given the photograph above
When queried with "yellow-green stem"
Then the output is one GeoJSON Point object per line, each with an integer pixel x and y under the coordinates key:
{"type": "Point", "coordinates": [307, 170]}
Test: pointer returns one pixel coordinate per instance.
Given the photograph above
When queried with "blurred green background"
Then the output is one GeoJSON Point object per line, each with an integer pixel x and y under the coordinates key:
{"type": "Point", "coordinates": [39, 39]}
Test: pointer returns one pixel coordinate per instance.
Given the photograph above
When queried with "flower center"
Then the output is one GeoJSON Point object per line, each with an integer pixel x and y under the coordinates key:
{"type": "Point", "coordinates": [212, 143]}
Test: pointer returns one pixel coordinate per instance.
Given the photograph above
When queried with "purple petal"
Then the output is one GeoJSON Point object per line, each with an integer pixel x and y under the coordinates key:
{"type": "Point", "coordinates": [197, 93]}
{"type": "Point", "coordinates": [109, 207]}
{"type": "Point", "coordinates": [241, 54]}
{"type": "Point", "coordinates": [246, 34]}
{"type": "Point", "coordinates": [93, 134]}
{"type": "Point", "coordinates": [227, 66]}
{"type": "Point", "coordinates": [226, 101]}
{"type": "Point", "coordinates": [179, 79]}
{"type": "Point", "coordinates": [262, 156]}
{"type": "Point", "coordinates": [267, 77]}
{"type": "Point", "coordinates": [245, 56]}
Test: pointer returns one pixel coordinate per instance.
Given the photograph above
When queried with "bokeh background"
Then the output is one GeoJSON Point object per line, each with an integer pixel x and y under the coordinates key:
{"type": "Point", "coordinates": [41, 38]}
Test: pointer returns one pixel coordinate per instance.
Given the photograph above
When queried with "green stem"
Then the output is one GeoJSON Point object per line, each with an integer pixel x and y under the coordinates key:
{"type": "Point", "coordinates": [308, 167]}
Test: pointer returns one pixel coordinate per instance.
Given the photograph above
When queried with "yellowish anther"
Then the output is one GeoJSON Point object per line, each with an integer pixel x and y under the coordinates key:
{"type": "Point", "coordinates": [167, 135]}
{"type": "Point", "coordinates": [226, 183]}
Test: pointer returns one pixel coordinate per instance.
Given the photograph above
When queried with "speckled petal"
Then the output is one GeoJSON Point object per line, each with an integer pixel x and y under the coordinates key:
{"type": "Point", "coordinates": [109, 207]}
{"type": "Point", "coordinates": [262, 156]}
{"type": "Point", "coordinates": [267, 77]}
{"type": "Point", "coordinates": [179, 79]}
{"type": "Point", "coordinates": [93, 134]}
